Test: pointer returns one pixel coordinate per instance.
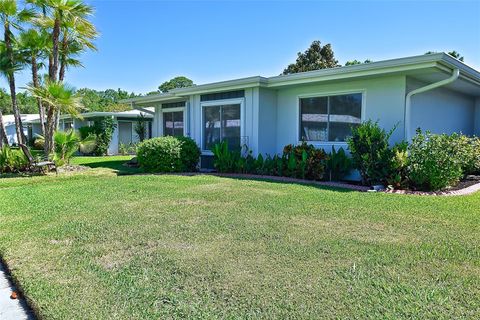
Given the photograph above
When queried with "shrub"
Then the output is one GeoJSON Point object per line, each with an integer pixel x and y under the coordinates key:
{"type": "Point", "coordinates": [168, 154]}
{"type": "Point", "coordinates": [338, 164]}
{"type": "Point", "coordinates": [398, 175]}
{"type": "Point", "coordinates": [304, 161]}
{"type": "Point", "coordinates": [127, 148]}
{"type": "Point", "coordinates": [371, 154]}
{"type": "Point", "coordinates": [161, 154]}
{"type": "Point", "coordinates": [190, 154]}
{"type": "Point", "coordinates": [102, 129]}
{"type": "Point", "coordinates": [12, 160]}
{"type": "Point", "coordinates": [66, 144]}
{"type": "Point", "coordinates": [435, 161]}
{"type": "Point", "coordinates": [468, 153]}
{"type": "Point", "coordinates": [225, 161]}
{"type": "Point", "coordinates": [38, 143]}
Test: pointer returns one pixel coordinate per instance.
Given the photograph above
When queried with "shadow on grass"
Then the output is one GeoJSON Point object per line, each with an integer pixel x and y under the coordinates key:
{"type": "Point", "coordinates": [115, 165]}
{"type": "Point", "coordinates": [280, 180]}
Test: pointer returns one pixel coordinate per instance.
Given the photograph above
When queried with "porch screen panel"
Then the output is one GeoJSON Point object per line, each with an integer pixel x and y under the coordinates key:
{"type": "Point", "coordinates": [211, 119]}
{"type": "Point", "coordinates": [173, 123]}
{"type": "Point", "coordinates": [222, 123]}
{"type": "Point", "coordinates": [329, 118]}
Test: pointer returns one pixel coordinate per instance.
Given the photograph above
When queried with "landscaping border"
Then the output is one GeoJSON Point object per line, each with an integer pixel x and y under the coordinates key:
{"type": "Point", "coordinates": [461, 192]}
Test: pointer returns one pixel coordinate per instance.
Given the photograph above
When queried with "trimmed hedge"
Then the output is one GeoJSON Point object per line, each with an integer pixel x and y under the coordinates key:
{"type": "Point", "coordinates": [168, 154]}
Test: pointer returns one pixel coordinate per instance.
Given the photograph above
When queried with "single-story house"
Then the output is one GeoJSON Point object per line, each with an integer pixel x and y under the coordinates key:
{"type": "Point", "coordinates": [9, 123]}
{"type": "Point", "coordinates": [433, 92]}
{"type": "Point", "coordinates": [124, 132]}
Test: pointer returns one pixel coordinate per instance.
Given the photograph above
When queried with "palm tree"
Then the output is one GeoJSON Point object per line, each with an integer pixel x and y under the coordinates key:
{"type": "Point", "coordinates": [12, 18]}
{"type": "Point", "coordinates": [59, 16]}
{"type": "Point", "coordinates": [77, 36]}
{"type": "Point", "coordinates": [34, 46]}
{"type": "Point", "coordinates": [58, 97]}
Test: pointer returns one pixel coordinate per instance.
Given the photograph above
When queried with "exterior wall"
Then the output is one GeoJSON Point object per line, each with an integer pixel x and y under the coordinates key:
{"type": "Point", "coordinates": [477, 117]}
{"type": "Point", "coordinates": [441, 111]}
{"type": "Point", "coordinates": [266, 126]}
{"type": "Point", "coordinates": [383, 100]}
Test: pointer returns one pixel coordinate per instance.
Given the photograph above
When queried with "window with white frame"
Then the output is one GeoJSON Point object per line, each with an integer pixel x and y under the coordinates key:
{"type": "Point", "coordinates": [221, 123]}
{"type": "Point", "coordinates": [173, 123]}
{"type": "Point", "coordinates": [329, 118]}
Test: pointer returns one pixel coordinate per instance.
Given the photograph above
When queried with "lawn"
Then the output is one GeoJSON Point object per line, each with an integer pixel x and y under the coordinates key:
{"type": "Point", "coordinates": [98, 245]}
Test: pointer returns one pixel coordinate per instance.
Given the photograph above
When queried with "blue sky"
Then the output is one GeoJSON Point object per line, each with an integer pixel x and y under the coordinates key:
{"type": "Point", "coordinates": [144, 43]}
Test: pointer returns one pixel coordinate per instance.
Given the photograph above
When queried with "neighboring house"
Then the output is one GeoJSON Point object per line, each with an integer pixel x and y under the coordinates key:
{"type": "Point", "coordinates": [433, 92]}
{"type": "Point", "coordinates": [9, 122]}
{"type": "Point", "coordinates": [125, 125]}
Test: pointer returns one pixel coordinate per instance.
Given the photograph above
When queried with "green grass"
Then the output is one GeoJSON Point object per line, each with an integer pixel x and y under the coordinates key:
{"type": "Point", "coordinates": [101, 246]}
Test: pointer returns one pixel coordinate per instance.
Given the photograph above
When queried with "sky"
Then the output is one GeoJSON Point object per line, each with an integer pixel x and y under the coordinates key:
{"type": "Point", "coordinates": [144, 43]}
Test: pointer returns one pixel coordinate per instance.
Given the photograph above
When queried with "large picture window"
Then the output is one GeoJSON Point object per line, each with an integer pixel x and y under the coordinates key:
{"type": "Point", "coordinates": [329, 118]}
{"type": "Point", "coordinates": [173, 123]}
{"type": "Point", "coordinates": [221, 123]}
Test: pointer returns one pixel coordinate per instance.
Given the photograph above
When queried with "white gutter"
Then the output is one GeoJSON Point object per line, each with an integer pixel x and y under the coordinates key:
{"type": "Point", "coordinates": [408, 100]}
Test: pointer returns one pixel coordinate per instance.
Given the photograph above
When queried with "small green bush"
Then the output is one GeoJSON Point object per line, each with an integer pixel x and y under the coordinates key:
{"type": "Point", "coordinates": [339, 164]}
{"type": "Point", "coordinates": [66, 144]}
{"type": "Point", "coordinates": [102, 129]}
{"type": "Point", "coordinates": [371, 153]}
{"type": "Point", "coordinates": [468, 152]}
{"type": "Point", "coordinates": [304, 161]}
{"type": "Point", "coordinates": [225, 160]}
{"type": "Point", "coordinates": [12, 160]}
{"type": "Point", "coordinates": [190, 154]}
{"type": "Point", "coordinates": [168, 154]}
{"type": "Point", "coordinates": [435, 161]}
{"type": "Point", "coordinates": [161, 154]}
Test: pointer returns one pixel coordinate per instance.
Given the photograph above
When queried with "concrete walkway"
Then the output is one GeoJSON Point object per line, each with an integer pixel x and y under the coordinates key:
{"type": "Point", "coordinates": [11, 309]}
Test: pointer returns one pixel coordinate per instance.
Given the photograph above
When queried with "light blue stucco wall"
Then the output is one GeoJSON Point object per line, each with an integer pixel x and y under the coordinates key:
{"type": "Point", "coordinates": [441, 111]}
{"type": "Point", "coordinates": [383, 100]}
{"type": "Point", "coordinates": [477, 117]}
{"type": "Point", "coordinates": [267, 121]}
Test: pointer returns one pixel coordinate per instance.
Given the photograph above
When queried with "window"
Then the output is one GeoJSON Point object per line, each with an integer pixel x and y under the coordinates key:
{"type": "Point", "coordinates": [221, 123]}
{"type": "Point", "coordinates": [173, 123]}
{"type": "Point", "coordinates": [222, 95]}
{"type": "Point", "coordinates": [329, 118]}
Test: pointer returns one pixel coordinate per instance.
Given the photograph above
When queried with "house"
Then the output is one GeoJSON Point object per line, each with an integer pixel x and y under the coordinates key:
{"type": "Point", "coordinates": [433, 92]}
{"type": "Point", "coordinates": [10, 127]}
{"type": "Point", "coordinates": [124, 132]}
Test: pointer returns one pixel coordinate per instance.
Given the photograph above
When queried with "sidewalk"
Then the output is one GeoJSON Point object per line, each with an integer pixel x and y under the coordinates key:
{"type": "Point", "coordinates": [11, 309]}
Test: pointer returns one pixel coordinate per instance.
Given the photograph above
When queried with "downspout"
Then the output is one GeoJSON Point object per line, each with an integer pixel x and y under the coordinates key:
{"type": "Point", "coordinates": [408, 100]}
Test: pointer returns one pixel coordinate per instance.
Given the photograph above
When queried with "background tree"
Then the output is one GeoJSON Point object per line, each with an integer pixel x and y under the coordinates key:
{"type": "Point", "coordinates": [108, 100]}
{"type": "Point", "coordinates": [67, 23]}
{"type": "Point", "coordinates": [177, 82]}
{"type": "Point", "coordinates": [34, 47]}
{"type": "Point", "coordinates": [354, 62]}
{"type": "Point", "coordinates": [314, 58]}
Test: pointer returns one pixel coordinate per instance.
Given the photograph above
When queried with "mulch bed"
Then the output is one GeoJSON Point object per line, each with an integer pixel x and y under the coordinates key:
{"type": "Point", "coordinates": [72, 168]}
{"type": "Point", "coordinates": [467, 186]}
